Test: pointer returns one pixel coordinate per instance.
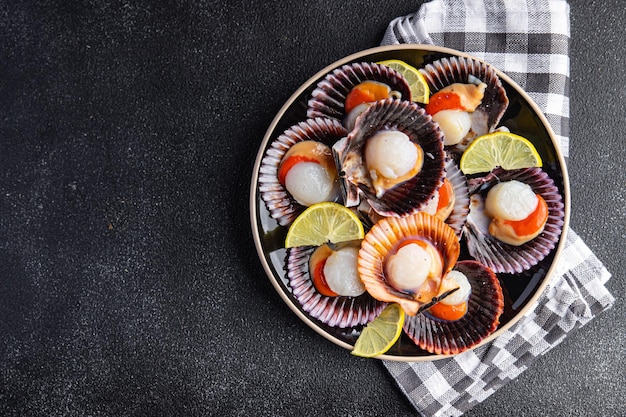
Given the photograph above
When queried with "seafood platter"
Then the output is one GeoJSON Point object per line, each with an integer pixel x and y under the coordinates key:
{"type": "Point", "coordinates": [480, 245]}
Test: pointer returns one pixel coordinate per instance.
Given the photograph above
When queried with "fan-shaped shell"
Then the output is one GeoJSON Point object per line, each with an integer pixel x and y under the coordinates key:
{"type": "Point", "coordinates": [485, 118]}
{"type": "Point", "coordinates": [500, 256]}
{"type": "Point", "coordinates": [409, 196]}
{"type": "Point", "coordinates": [329, 96]}
{"type": "Point", "coordinates": [457, 218]}
{"type": "Point", "coordinates": [334, 311]}
{"type": "Point", "coordinates": [386, 236]}
{"type": "Point", "coordinates": [282, 207]}
{"type": "Point", "coordinates": [485, 305]}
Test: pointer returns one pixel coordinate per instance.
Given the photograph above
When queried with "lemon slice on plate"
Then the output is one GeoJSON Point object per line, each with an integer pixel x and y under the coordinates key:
{"type": "Point", "coordinates": [420, 91]}
{"type": "Point", "coordinates": [323, 223]}
{"type": "Point", "coordinates": [381, 333]}
{"type": "Point", "coordinates": [499, 149]}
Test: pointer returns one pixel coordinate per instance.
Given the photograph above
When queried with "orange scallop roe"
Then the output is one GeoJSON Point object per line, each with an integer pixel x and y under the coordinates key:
{"type": "Point", "coordinates": [535, 221]}
{"type": "Point", "coordinates": [518, 232]}
{"type": "Point", "coordinates": [289, 162]}
{"type": "Point", "coordinates": [366, 92]}
{"type": "Point", "coordinates": [306, 151]}
{"type": "Point", "coordinates": [317, 263]}
{"type": "Point", "coordinates": [456, 96]}
{"type": "Point", "coordinates": [449, 312]}
{"type": "Point", "coordinates": [446, 200]}
{"type": "Point", "coordinates": [445, 194]}
{"type": "Point", "coordinates": [443, 100]}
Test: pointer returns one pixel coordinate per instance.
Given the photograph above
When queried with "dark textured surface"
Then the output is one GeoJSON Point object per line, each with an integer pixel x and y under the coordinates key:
{"type": "Point", "coordinates": [129, 281]}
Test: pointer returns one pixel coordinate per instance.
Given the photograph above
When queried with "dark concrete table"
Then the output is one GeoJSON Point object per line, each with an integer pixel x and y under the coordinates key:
{"type": "Point", "coordinates": [130, 284]}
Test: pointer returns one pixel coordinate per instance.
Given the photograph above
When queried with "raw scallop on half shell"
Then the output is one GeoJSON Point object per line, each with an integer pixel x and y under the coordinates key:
{"type": "Point", "coordinates": [384, 240]}
{"type": "Point", "coordinates": [485, 118]}
{"type": "Point", "coordinates": [485, 305]}
{"type": "Point", "coordinates": [337, 311]}
{"type": "Point", "coordinates": [502, 257]}
{"type": "Point", "coordinates": [408, 196]}
{"type": "Point", "coordinates": [281, 205]}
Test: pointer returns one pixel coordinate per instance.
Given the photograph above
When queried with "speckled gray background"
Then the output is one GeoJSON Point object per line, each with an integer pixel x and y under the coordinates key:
{"type": "Point", "coordinates": [129, 283]}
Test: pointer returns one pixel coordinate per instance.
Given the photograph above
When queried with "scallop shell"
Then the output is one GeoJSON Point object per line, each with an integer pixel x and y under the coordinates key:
{"type": "Point", "coordinates": [485, 305]}
{"type": "Point", "coordinates": [329, 96]}
{"type": "Point", "coordinates": [500, 256]}
{"type": "Point", "coordinates": [334, 311]}
{"type": "Point", "coordinates": [384, 238]}
{"type": "Point", "coordinates": [282, 207]}
{"type": "Point", "coordinates": [409, 196]}
{"type": "Point", "coordinates": [457, 218]}
{"type": "Point", "coordinates": [486, 117]}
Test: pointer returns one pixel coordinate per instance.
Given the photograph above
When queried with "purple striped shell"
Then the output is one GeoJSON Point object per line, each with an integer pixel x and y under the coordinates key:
{"type": "Point", "coordinates": [457, 218]}
{"type": "Point", "coordinates": [338, 311]}
{"type": "Point", "coordinates": [407, 197]}
{"type": "Point", "coordinates": [500, 256]}
{"type": "Point", "coordinates": [329, 96]}
{"type": "Point", "coordinates": [485, 305]}
{"type": "Point", "coordinates": [282, 207]}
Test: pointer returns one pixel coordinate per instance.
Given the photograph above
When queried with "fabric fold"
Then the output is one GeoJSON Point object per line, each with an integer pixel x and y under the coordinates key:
{"type": "Point", "coordinates": [529, 41]}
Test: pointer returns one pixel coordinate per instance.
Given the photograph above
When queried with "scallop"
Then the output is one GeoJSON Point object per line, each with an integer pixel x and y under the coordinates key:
{"type": "Point", "coordinates": [337, 271]}
{"type": "Point", "coordinates": [455, 124]}
{"type": "Point", "coordinates": [390, 156]}
{"type": "Point", "coordinates": [484, 308]}
{"type": "Point", "coordinates": [404, 260]}
{"type": "Point", "coordinates": [329, 97]}
{"type": "Point", "coordinates": [503, 257]}
{"type": "Point", "coordinates": [372, 170]}
{"type": "Point", "coordinates": [462, 293]}
{"type": "Point", "coordinates": [413, 265]}
{"type": "Point", "coordinates": [282, 205]}
{"type": "Point", "coordinates": [336, 311]}
{"type": "Point", "coordinates": [308, 173]}
{"type": "Point", "coordinates": [511, 200]}
{"type": "Point", "coordinates": [445, 72]}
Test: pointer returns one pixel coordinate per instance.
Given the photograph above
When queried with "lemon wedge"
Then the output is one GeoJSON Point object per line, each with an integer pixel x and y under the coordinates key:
{"type": "Point", "coordinates": [381, 333]}
{"type": "Point", "coordinates": [323, 223]}
{"type": "Point", "coordinates": [499, 149]}
{"type": "Point", "coordinates": [420, 92]}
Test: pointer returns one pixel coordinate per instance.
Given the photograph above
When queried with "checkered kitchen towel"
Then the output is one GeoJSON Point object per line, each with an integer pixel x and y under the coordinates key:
{"type": "Point", "coordinates": [529, 41]}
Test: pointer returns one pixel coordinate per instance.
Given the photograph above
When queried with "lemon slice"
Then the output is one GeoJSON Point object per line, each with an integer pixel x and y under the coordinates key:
{"type": "Point", "coordinates": [381, 333]}
{"type": "Point", "coordinates": [323, 223]}
{"type": "Point", "coordinates": [420, 91]}
{"type": "Point", "coordinates": [499, 149]}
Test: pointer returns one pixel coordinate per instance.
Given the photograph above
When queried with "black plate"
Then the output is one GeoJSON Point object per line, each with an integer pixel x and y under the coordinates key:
{"type": "Point", "coordinates": [522, 117]}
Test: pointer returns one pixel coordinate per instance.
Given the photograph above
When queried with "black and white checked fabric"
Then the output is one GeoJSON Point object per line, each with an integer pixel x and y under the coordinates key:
{"type": "Point", "coordinates": [529, 41]}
